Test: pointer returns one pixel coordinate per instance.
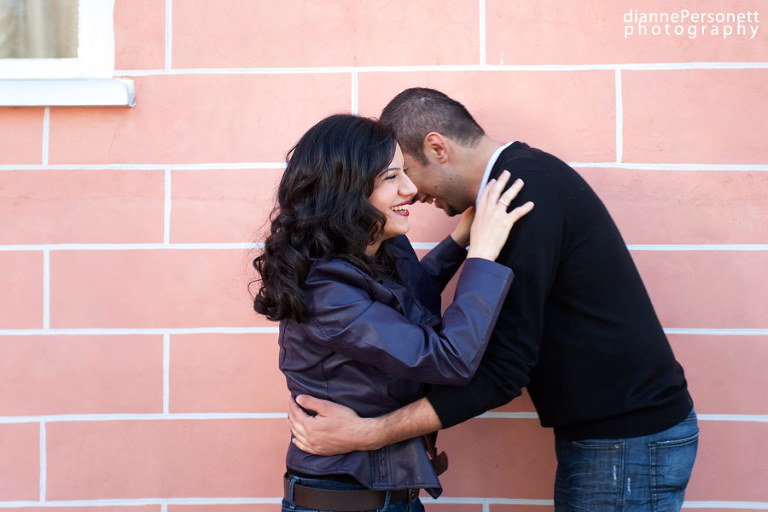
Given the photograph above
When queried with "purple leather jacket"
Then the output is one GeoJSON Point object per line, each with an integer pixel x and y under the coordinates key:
{"type": "Point", "coordinates": [371, 344]}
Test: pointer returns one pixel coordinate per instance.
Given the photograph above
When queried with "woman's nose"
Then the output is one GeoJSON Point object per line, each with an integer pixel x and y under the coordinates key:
{"type": "Point", "coordinates": [407, 187]}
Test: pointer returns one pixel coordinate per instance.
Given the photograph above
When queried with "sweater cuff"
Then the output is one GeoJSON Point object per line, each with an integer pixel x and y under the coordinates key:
{"type": "Point", "coordinates": [443, 401]}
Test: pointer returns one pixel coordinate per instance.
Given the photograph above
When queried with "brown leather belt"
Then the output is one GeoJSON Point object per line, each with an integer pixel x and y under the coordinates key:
{"type": "Point", "coordinates": [343, 500]}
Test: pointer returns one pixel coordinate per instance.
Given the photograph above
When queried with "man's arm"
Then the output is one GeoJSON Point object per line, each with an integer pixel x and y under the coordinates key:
{"type": "Point", "coordinates": [533, 251]}
{"type": "Point", "coordinates": [336, 429]}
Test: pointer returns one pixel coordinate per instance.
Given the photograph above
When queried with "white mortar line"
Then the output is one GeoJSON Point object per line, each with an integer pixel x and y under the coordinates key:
{"type": "Point", "coordinates": [46, 289]}
{"type": "Point", "coordinates": [138, 331]}
{"type": "Point", "coordinates": [671, 166]}
{"type": "Point", "coordinates": [672, 66]}
{"type": "Point", "coordinates": [67, 418]}
{"type": "Point", "coordinates": [482, 32]}
{"type": "Point", "coordinates": [43, 462]}
{"type": "Point", "coordinates": [259, 245]}
{"type": "Point", "coordinates": [133, 247]}
{"type": "Point", "coordinates": [619, 118]}
{"type": "Point", "coordinates": [655, 247]}
{"type": "Point", "coordinates": [698, 247]}
{"type": "Point", "coordinates": [166, 372]}
{"type": "Point", "coordinates": [510, 415]}
{"type": "Point", "coordinates": [168, 35]}
{"type": "Point", "coordinates": [237, 71]}
{"type": "Point", "coordinates": [745, 505]}
{"type": "Point", "coordinates": [478, 500]}
{"type": "Point", "coordinates": [167, 209]}
{"type": "Point", "coordinates": [46, 135]}
{"type": "Point", "coordinates": [656, 66]}
{"type": "Point", "coordinates": [485, 502]}
{"type": "Point", "coordinates": [202, 416]}
{"type": "Point", "coordinates": [716, 332]}
{"type": "Point", "coordinates": [746, 418]}
{"type": "Point", "coordinates": [281, 165]}
{"type": "Point", "coordinates": [354, 100]}
{"type": "Point", "coordinates": [276, 330]}
{"type": "Point", "coordinates": [139, 502]}
{"type": "Point", "coordinates": [215, 166]}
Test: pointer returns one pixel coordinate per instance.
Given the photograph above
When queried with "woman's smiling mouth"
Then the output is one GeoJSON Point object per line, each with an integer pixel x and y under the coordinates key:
{"type": "Point", "coordinates": [401, 209]}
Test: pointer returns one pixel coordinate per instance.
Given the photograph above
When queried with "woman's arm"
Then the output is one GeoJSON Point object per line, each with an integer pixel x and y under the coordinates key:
{"type": "Point", "coordinates": [346, 315]}
{"type": "Point", "coordinates": [441, 263]}
{"type": "Point", "coordinates": [350, 313]}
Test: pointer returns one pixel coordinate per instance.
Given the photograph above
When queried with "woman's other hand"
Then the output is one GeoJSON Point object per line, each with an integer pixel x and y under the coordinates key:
{"type": "Point", "coordinates": [461, 233]}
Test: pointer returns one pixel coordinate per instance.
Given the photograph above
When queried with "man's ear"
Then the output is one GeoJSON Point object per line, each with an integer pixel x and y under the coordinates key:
{"type": "Point", "coordinates": [436, 147]}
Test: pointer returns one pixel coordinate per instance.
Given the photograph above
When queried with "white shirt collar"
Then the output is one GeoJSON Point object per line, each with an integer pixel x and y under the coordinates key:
{"type": "Point", "coordinates": [491, 163]}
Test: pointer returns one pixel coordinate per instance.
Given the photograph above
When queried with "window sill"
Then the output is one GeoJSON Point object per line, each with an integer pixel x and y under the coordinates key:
{"type": "Point", "coordinates": [86, 92]}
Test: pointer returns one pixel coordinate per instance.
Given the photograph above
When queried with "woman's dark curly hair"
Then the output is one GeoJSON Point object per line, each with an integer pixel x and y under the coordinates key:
{"type": "Point", "coordinates": [323, 210]}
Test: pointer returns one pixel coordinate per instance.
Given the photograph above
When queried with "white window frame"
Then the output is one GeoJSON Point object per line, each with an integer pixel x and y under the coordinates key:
{"type": "Point", "coordinates": [84, 80]}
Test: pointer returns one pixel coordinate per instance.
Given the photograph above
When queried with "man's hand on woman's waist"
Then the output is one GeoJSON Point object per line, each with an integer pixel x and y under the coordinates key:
{"type": "Point", "coordinates": [336, 429]}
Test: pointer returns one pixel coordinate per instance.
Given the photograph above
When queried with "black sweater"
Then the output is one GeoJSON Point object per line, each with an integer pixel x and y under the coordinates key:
{"type": "Point", "coordinates": [577, 328]}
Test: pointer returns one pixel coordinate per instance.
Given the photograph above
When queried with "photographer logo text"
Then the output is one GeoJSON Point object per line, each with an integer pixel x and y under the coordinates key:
{"type": "Point", "coordinates": [691, 24]}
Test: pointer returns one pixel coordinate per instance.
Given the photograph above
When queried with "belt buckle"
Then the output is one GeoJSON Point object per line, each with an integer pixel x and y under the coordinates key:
{"type": "Point", "coordinates": [413, 495]}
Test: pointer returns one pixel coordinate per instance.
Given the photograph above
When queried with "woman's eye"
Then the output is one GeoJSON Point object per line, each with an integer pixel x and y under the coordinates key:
{"type": "Point", "coordinates": [390, 176]}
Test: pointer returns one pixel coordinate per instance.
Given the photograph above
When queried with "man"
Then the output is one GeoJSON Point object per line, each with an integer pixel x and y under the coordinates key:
{"type": "Point", "coordinates": [577, 328]}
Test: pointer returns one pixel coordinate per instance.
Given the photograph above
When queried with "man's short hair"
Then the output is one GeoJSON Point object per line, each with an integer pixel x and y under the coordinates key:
{"type": "Point", "coordinates": [415, 112]}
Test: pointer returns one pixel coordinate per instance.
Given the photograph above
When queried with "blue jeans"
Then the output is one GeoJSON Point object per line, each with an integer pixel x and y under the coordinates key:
{"type": "Point", "coordinates": [640, 474]}
{"type": "Point", "coordinates": [319, 483]}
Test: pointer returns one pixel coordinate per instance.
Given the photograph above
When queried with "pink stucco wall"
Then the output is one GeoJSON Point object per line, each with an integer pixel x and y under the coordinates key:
{"type": "Point", "coordinates": [135, 376]}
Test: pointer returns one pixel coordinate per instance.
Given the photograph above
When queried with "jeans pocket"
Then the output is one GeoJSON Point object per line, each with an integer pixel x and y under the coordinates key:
{"type": "Point", "coordinates": [671, 466]}
{"type": "Point", "coordinates": [588, 475]}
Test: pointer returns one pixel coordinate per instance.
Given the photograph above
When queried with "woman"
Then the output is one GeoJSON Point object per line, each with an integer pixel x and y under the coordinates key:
{"type": "Point", "coordinates": [359, 314]}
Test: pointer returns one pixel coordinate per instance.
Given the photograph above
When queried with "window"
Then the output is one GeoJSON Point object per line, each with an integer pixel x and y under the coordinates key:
{"type": "Point", "coordinates": [59, 52]}
{"type": "Point", "coordinates": [35, 29]}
